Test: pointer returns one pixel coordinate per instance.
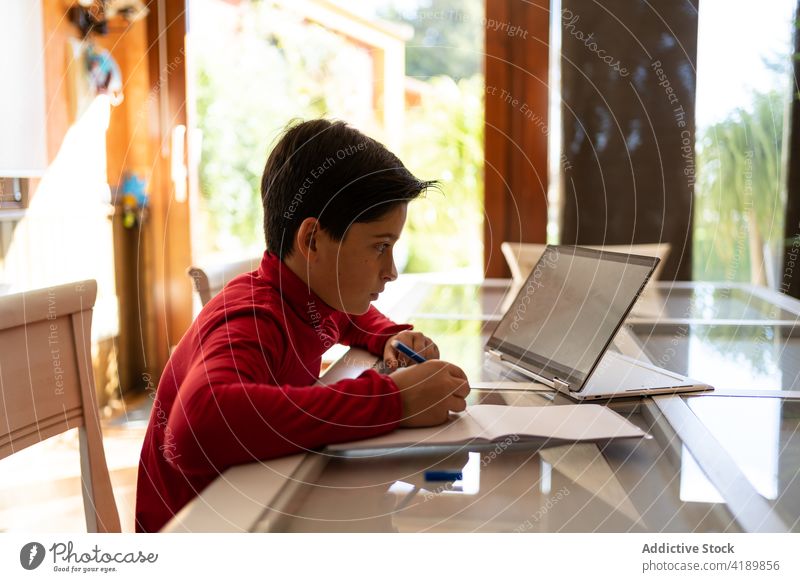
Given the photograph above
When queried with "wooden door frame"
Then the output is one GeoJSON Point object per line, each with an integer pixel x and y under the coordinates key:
{"type": "Point", "coordinates": [516, 130]}
{"type": "Point", "coordinates": [167, 313]}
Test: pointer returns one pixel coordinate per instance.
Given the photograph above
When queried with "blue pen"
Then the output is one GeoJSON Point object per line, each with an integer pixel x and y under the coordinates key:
{"type": "Point", "coordinates": [446, 475]}
{"type": "Point", "coordinates": [401, 347]}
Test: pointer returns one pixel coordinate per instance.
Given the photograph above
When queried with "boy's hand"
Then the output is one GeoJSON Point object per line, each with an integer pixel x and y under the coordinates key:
{"type": "Point", "coordinates": [429, 391]}
{"type": "Point", "coordinates": [417, 341]}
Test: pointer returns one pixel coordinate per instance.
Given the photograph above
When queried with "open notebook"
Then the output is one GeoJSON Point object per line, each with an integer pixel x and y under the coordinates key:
{"type": "Point", "coordinates": [489, 422]}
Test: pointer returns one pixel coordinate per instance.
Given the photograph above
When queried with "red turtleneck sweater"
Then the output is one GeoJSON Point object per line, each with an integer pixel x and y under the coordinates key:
{"type": "Point", "coordinates": [239, 387]}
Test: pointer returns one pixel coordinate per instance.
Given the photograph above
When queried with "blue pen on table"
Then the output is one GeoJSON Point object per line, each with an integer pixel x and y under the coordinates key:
{"type": "Point", "coordinates": [401, 347]}
{"type": "Point", "coordinates": [444, 475]}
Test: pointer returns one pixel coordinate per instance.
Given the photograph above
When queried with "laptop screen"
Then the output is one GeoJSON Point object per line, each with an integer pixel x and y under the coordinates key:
{"type": "Point", "coordinates": [569, 310]}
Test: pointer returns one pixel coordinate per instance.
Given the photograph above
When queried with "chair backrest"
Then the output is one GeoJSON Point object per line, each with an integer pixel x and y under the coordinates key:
{"type": "Point", "coordinates": [208, 281]}
{"type": "Point", "coordinates": [522, 258]}
{"type": "Point", "coordinates": [47, 385]}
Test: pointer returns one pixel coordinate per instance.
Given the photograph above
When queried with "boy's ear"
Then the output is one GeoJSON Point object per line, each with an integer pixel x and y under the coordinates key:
{"type": "Point", "coordinates": [306, 240]}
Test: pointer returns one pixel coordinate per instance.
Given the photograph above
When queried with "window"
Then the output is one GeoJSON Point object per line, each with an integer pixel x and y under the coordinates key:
{"type": "Point", "coordinates": [742, 93]}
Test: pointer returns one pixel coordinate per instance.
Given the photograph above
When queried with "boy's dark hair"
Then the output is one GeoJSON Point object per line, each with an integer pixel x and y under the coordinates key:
{"type": "Point", "coordinates": [334, 173]}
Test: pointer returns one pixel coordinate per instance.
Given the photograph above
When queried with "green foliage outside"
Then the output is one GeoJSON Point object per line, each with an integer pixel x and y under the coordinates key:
{"type": "Point", "coordinates": [460, 341]}
{"type": "Point", "coordinates": [287, 68]}
{"type": "Point", "coordinates": [444, 140]}
{"type": "Point", "coordinates": [283, 68]}
{"type": "Point", "coordinates": [448, 36]}
{"type": "Point", "coordinates": [740, 194]}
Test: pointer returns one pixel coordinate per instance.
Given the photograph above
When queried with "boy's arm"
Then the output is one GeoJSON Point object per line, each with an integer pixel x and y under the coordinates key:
{"type": "Point", "coordinates": [229, 410]}
{"type": "Point", "coordinates": [370, 331]}
{"type": "Point", "coordinates": [373, 330]}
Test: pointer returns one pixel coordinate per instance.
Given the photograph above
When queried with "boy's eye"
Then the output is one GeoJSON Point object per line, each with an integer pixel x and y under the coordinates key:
{"type": "Point", "coordinates": [381, 248]}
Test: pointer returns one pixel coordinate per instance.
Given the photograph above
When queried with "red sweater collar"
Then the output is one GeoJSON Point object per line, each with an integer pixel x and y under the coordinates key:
{"type": "Point", "coordinates": [293, 290]}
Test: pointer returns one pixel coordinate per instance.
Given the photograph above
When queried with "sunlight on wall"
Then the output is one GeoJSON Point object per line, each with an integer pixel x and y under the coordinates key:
{"type": "Point", "coordinates": [66, 233]}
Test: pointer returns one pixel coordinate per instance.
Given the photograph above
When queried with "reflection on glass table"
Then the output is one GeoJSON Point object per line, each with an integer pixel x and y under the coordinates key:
{"type": "Point", "coordinates": [762, 435]}
{"type": "Point", "coordinates": [733, 357]}
{"type": "Point", "coordinates": [711, 301]}
{"type": "Point", "coordinates": [460, 341]}
{"type": "Point", "coordinates": [462, 301]}
{"type": "Point", "coordinates": [506, 487]}
{"type": "Point", "coordinates": [751, 356]}
{"type": "Point", "coordinates": [463, 343]}
{"type": "Point", "coordinates": [705, 301]}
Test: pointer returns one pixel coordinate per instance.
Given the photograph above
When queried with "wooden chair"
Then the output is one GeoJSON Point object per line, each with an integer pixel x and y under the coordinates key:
{"type": "Point", "coordinates": [210, 280]}
{"type": "Point", "coordinates": [47, 386]}
{"type": "Point", "coordinates": [522, 258]}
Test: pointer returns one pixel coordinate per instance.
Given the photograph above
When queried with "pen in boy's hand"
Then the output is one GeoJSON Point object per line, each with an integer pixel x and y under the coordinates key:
{"type": "Point", "coordinates": [404, 349]}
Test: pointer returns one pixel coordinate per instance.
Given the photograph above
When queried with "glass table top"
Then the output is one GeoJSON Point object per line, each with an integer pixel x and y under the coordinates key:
{"type": "Point", "coordinates": [654, 485]}
{"type": "Point", "coordinates": [472, 301]}
{"type": "Point", "coordinates": [746, 356]}
{"type": "Point", "coordinates": [701, 301]}
{"type": "Point", "coordinates": [763, 437]}
{"type": "Point", "coordinates": [734, 357]}
{"type": "Point", "coordinates": [709, 301]}
{"type": "Point", "coordinates": [510, 487]}
{"type": "Point", "coordinates": [460, 341]}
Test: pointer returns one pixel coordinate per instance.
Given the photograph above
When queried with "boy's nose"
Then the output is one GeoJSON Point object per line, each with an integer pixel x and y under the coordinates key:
{"type": "Point", "coordinates": [391, 274]}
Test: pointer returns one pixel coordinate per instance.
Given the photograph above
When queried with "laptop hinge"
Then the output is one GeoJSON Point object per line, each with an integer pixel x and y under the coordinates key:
{"type": "Point", "coordinates": [560, 385]}
{"type": "Point", "coordinates": [525, 372]}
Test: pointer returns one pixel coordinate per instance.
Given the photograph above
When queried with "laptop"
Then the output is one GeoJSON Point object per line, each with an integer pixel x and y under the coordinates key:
{"type": "Point", "coordinates": [559, 328]}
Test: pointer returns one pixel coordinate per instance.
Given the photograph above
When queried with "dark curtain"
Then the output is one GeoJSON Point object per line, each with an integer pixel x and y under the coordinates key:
{"type": "Point", "coordinates": [628, 70]}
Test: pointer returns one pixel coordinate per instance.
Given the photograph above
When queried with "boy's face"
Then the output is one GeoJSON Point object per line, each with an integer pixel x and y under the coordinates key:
{"type": "Point", "coordinates": [349, 274]}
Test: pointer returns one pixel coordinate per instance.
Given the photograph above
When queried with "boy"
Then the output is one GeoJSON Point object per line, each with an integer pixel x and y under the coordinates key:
{"type": "Point", "coordinates": [240, 385]}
